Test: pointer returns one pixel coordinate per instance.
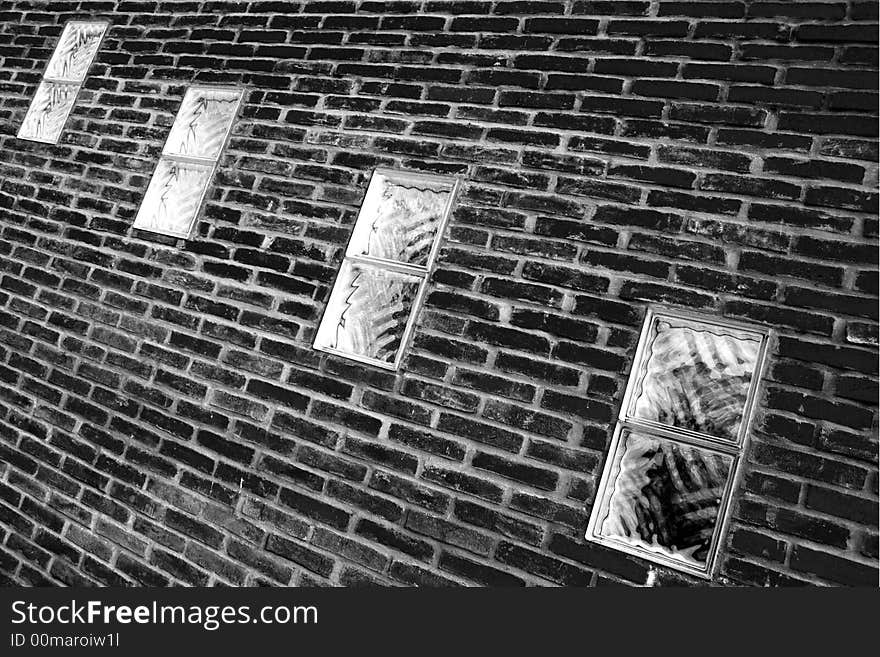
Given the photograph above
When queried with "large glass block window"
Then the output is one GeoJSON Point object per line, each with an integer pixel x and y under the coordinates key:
{"type": "Point", "coordinates": [189, 159]}
{"type": "Point", "coordinates": [380, 286]}
{"type": "Point", "coordinates": [62, 80]}
{"type": "Point", "coordinates": [668, 479]}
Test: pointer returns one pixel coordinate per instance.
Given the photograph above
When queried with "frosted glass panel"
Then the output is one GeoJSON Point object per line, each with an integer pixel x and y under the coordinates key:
{"type": "Point", "coordinates": [400, 217]}
{"type": "Point", "coordinates": [664, 497]}
{"type": "Point", "coordinates": [368, 312]}
{"type": "Point", "coordinates": [48, 112]}
{"type": "Point", "coordinates": [173, 198]}
{"type": "Point", "coordinates": [74, 53]}
{"type": "Point", "coordinates": [202, 123]}
{"type": "Point", "coordinates": [696, 376]}
{"type": "Point", "coordinates": [62, 79]}
{"type": "Point", "coordinates": [374, 302]}
{"type": "Point", "coordinates": [188, 160]}
{"type": "Point", "coordinates": [668, 480]}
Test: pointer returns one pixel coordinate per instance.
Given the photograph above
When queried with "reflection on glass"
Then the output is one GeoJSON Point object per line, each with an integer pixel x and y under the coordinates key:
{"type": "Point", "coordinates": [173, 198]}
{"type": "Point", "coordinates": [78, 46]}
{"type": "Point", "coordinates": [664, 497]}
{"type": "Point", "coordinates": [696, 377]}
{"type": "Point", "coordinates": [202, 123]}
{"type": "Point", "coordinates": [48, 112]}
{"type": "Point", "coordinates": [399, 219]}
{"type": "Point", "coordinates": [368, 312]}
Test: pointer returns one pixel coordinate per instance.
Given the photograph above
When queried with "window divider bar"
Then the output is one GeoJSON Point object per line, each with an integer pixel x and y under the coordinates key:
{"type": "Point", "coordinates": [190, 159]}
{"type": "Point", "coordinates": [671, 433]}
{"type": "Point", "coordinates": [55, 80]}
{"type": "Point", "coordinates": [414, 270]}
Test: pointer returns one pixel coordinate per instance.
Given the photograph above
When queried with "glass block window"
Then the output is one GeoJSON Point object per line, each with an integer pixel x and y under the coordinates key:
{"type": "Point", "coordinates": [381, 284]}
{"type": "Point", "coordinates": [188, 161]}
{"type": "Point", "coordinates": [666, 487]}
{"type": "Point", "coordinates": [62, 80]}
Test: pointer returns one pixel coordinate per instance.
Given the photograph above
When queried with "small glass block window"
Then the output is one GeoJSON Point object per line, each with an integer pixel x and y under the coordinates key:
{"type": "Point", "coordinates": [381, 284]}
{"type": "Point", "coordinates": [188, 161]}
{"type": "Point", "coordinates": [666, 487]}
{"type": "Point", "coordinates": [64, 76]}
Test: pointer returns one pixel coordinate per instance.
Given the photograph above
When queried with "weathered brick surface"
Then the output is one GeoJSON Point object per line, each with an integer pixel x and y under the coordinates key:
{"type": "Point", "coordinates": [163, 418]}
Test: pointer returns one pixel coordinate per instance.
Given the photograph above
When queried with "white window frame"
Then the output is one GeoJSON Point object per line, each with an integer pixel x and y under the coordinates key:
{"type": "Point", "coordinates": [211, 164]}
{"type": "Point", "coordinates": [78, 82]}
{"type": "Point", "coordinates": [735, 449]}
{"type": "Point", "coordinates": [422, 272]}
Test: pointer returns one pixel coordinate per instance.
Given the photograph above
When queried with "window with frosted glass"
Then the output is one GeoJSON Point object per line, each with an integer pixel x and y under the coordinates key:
{"type": "Point", "coordinates": [188, 161]}
{"type": "Point", "coordinates": [382, 280]}
{"type": "Point", "coordinates": [668, 478]}
{"type": "Point", "coordinates": [64, 76]}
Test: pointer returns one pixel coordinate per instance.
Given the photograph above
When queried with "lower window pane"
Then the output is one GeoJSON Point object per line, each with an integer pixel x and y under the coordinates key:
{"type": "Point", "coordinates": [173, 198]}
{"type": "Point", "coordinates": [368, 312]}
{"type": "Point", "coordinates": [48, 112]}
{"type": "Point", "coordinates": [663, 497]}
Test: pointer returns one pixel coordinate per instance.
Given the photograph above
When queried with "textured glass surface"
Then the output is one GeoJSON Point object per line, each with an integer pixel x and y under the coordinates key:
{"type": "Point", "coordinates": [48, 112]}
{"type": "Point", "coordinates": [696, 376]}
{"type": "Point", "coordinates": [664, 497]}
{"type": "Point", "coordinates": [75, 50]}
{"type": "Point", "coordinates": [173, 198]}
{"type": "Point", "coordinates": [368, 312]}
{"type": "Point", "coordinates": [399, 219]}
{"type": "Point", "coordinates": [202, 123]}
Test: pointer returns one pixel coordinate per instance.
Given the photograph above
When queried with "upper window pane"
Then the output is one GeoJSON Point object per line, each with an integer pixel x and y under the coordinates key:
{"type": "Point", "coordinates": [400, 218]}
{"type": "Point", "coordinates": [202, 123]}
{"type": "Point", "coordinates": [695, 376]}
{"type": "Point", "coordinates": [74, 53]}
{"type": "Point", "coordinates": [665, 497]}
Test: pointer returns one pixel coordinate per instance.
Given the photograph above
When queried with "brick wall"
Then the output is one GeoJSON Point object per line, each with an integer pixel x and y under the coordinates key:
{"type": "Point", "coordinates": [163, 418]}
